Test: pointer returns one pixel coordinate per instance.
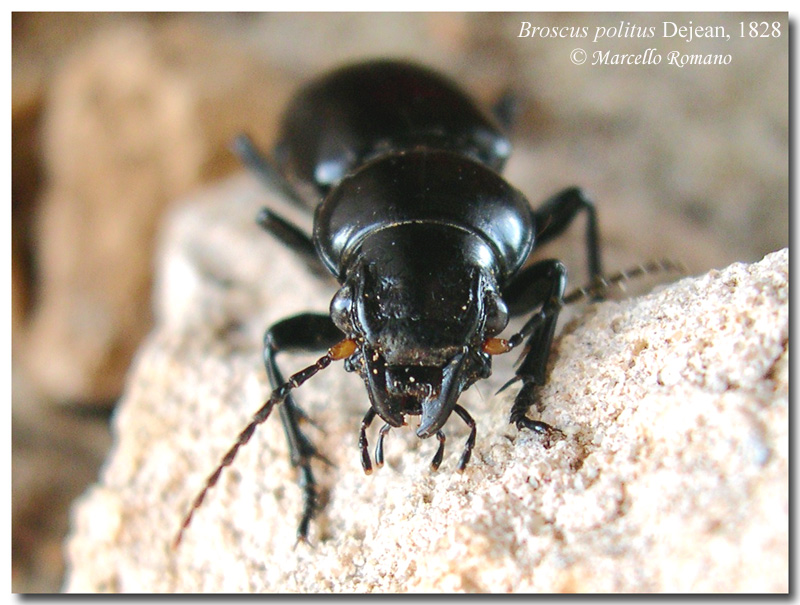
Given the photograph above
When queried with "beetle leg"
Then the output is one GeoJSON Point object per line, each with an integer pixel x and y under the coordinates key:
{"type": "Point", "coordinates": [278, 396]}
{"type": "Point", "coordinates": [547, 280]}
{"type": "Point", "coordinates": [287, 232]}
{"type": "Point", "coordinates": [437, 457]}
{"type": "Point", "coordinates": [366, 463]}
{"type": "Point", "coordinates": [292, 236]}
{"type": "Point", "coordinates": [462, 463]}
{"type": "Point", "coordinates": [506, 110]}
{"type": "Point", "coordinates": [543, 284]}
{"type": "Point", "coordinates": [305, 332]}
{"type": "Point", "coordinates": [530, 288]}
{"type": "Point", "coordinates": [556, 214]}
{"type": "Point", "coordinates": [256, 161]}
{"type": "Point", "coordinates": [379, 447]}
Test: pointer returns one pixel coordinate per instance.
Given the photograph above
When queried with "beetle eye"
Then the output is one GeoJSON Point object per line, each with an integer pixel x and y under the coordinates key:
{"type": "Point", "coordinates": [496, 314]}
{"type": "Point", "coordinates": [341, 306]}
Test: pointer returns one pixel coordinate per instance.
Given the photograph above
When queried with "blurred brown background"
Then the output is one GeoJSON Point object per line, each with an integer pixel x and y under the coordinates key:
{"type": "Point", "coordinates": [117, 116]}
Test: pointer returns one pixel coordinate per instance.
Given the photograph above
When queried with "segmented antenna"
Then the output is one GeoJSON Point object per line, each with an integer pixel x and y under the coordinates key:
{"type": "Point", "coordinates": [341, 350]}
{"type": "Point", "coordinates": [600, 287]}
{"type": "Point", "coordinates": [602, 284]}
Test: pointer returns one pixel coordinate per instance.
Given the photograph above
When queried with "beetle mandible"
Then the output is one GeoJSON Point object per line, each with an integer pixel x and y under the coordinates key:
{"type": "Point", "coordinates": [429, 244]}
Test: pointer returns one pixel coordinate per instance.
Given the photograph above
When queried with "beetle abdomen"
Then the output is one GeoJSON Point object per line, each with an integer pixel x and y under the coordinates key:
{"type": "Point", "coordinates": [359, 112]}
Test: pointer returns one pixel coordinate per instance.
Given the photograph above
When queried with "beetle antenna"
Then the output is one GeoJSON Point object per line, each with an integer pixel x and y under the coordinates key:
{"type": "Point", "coordinates": [343, 349]}
{"type": "Point", "coordinates": [600, 287]}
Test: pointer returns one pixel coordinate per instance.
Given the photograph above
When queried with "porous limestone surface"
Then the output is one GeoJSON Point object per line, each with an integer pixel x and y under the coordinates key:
{"type": "Point", "coordinates": [672, 474]}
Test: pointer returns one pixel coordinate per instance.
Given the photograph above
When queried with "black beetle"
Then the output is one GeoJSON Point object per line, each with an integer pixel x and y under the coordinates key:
{"type": "Point", "coordinates": [429, 244]}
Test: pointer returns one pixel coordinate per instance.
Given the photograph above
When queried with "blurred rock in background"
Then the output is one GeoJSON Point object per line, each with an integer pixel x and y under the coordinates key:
{"type": "Point", "coordinates": [117, 116]}
{"type": "Point", "coordinates": [109, 127]}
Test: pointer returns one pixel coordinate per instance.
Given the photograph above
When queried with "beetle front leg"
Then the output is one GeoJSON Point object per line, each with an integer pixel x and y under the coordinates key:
{"type": "Point", "coordinates": [470, 444]}
{"type": "Point", "coordinates": [305, 332]}
{"type": "Point", "coordinates": [363, 444]}
{"type": "Point", "coordinates": [379, 458]}
{"type": "Point", "coordinates": [437, 457]}
{"type": "Point", "coordinates": [542, 284]}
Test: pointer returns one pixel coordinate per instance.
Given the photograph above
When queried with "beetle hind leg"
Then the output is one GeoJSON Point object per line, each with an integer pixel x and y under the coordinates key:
{"type": "Point", "coordinates": [556, 214]}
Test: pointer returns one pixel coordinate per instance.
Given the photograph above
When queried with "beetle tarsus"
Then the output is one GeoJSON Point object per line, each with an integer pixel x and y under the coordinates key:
{"type": "Point", "coordinates": [437, 457]}
{"type": "Point", "coordinates": [379, 446]}
{"type": "Point", "coordinates": [470, 444]}
{"type": "Point", "coordinates": [363, 444]}
{"type": "Point", "coordinates": [310, 501]}
{"type": "Point", "coordinates": [523, 402]}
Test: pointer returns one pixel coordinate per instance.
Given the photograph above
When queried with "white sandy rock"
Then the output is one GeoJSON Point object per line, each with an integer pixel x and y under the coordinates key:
{"type": "Point", "coordinates": [673, 475]}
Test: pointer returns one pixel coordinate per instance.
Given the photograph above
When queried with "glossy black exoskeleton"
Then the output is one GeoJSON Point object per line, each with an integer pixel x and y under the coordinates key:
{"type": "Point", "coordinates": [429, 243]}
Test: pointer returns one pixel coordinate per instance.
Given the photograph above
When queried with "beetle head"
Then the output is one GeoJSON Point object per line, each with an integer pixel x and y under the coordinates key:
{"type": "Point", "coordinates": [421, 310]}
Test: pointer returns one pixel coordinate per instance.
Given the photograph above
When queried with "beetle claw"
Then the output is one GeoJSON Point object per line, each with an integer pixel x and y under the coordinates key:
{"type": "Point", "coordinates": [546, 431]}
{"type": "Point", "coordinates": [508, 384]}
